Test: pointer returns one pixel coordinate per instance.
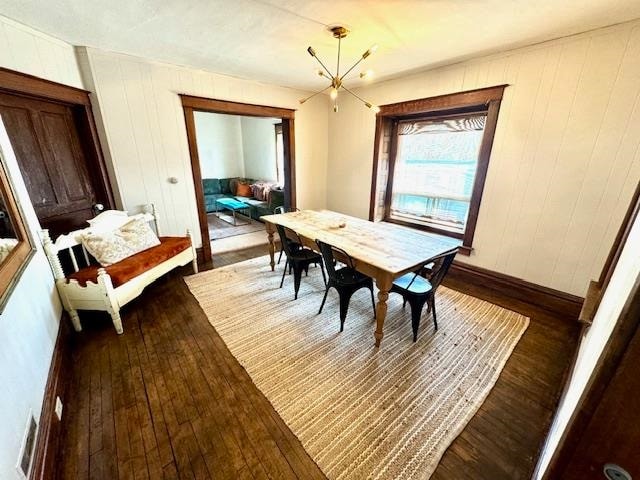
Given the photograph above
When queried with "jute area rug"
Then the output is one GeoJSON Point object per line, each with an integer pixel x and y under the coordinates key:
{"type": "Point", "coordinates": [240, 242]}
{"type": "Point", "coordinates": [219, 229]}
{"type": "Point", "coordinates": [360, 412]}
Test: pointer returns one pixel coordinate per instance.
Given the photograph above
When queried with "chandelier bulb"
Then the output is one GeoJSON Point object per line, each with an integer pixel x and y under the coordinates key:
{"type": "Point", "coordinates": [366, 75]}
{"type": "Point", "coordinates": [374, 108]}
{"type": "Point", "coordinates": [372, 49]}
{"type": "Point", "coordinates": [334, 93]}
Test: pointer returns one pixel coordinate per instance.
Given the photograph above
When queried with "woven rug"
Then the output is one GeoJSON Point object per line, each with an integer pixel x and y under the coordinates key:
{"type": "Point", "coordinates": [360, 412]}
{"type": "Point", "coordinates": [241, 242]}
{"type": "Point", "coordinates": [219, 229]}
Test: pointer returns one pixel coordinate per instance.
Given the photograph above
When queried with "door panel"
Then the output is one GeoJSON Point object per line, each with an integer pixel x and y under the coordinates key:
{"type": "Point", "coordinates": [73, 178]}
{"type": "Point", "coordinates": [49, 151]}
{"type": "Point", "coordinates": [30, 155]}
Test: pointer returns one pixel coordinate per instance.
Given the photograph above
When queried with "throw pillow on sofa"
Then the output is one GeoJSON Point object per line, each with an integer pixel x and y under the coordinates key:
{"type": "Point", "coordinates": [116, 245]}
{"type": "Point", "coordinates": [244, 190]}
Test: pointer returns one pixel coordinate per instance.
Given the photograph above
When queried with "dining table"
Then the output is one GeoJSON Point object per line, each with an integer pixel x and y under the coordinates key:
{"type": "Point", "coordinates": [381, 250]}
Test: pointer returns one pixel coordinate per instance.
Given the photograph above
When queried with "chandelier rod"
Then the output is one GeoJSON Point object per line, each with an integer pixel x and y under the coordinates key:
{"type": "Point", "coordinates": [314, 94]}
{"type": "Point", "coordinates": [312, 52]}
{"type": "Point", "coordinates": [358, 97]}
{"type": "Point", "coordinates": [352, 67]}
{"type": "Point", "coordinates": [338, 66]}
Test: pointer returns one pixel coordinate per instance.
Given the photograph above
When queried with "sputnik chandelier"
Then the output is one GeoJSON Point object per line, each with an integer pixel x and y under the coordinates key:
{"type": "Point", "coordinates": [340, 32]}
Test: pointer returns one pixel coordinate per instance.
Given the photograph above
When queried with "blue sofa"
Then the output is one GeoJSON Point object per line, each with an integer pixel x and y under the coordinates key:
{"type": "Point", "coordinates": [215, 188]}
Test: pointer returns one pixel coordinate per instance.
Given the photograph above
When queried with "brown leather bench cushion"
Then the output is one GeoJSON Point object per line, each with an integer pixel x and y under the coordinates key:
{"type": "Point", "coordinates": [124, 270]}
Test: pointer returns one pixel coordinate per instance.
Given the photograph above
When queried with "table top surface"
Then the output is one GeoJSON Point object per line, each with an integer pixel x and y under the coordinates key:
{"type": "Point", "coordinates": [388, 247]}
{"type": "Point", "coordinates": [231, 203]}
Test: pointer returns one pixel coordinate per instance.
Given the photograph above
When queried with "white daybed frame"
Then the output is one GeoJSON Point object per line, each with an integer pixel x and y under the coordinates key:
{"type": "Point", "coordinates": [102, 295]}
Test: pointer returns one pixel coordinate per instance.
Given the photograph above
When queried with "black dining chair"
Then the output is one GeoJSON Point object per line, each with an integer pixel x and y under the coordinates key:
{"type": "Point", "coordinates": [292, 244]}
{"type": "Point", "coordinates": [420, 287]}
{"type": "Point", "coordinates": [298, 259]}
{"type": "Point", "coordinates": [346, 280]}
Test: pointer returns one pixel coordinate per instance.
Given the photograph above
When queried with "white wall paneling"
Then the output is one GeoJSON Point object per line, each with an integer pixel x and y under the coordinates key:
{"type": "Point", "coordinates": [143, 128]}
{"type": "Point", "coordinates": [624, 277]}
{"type": "Point", "coordinates": [565, 159]}
{"type": "Point", "coordinates": [29, 322]}
{"type": "Point", "coordinates": [29, 51]}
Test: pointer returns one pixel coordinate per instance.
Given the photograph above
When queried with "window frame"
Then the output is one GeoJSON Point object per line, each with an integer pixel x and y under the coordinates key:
{"type": "Point", "coordinates": [485, 100]}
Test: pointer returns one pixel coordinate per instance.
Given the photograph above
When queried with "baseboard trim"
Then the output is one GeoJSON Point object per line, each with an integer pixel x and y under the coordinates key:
{"type": "Point", "coordinates": [49, 427]}
{"type": "Point", "coordinates": [564, 304]}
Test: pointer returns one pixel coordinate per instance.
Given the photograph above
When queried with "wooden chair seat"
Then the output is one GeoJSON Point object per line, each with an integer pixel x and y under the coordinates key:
{"type": "Point", "coordinates": [129, 268]}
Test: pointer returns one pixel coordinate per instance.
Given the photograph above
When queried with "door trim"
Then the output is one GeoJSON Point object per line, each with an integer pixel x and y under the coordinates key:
{"type": "Point", "coordinates": [611, 356]}
{"type": "Point", "coordinates": [25, 84]}
{"type": "Point", "coordinates": [192, 104]}
{"type": "Point", "coordinates": [22, 84]}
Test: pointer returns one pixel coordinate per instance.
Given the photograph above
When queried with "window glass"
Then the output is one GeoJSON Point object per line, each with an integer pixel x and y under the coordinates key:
{"type": "Point", "coordinates": [435, 169]}
{"type": "Point", "coordinates": [279, 154]}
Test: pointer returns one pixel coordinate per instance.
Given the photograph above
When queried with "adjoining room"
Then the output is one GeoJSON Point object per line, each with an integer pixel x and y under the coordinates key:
{"type": "Point", "coordinates": [242, 168]}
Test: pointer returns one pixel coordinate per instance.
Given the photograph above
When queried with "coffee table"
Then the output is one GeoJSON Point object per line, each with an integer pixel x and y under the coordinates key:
{"type": "Point", "coordinates": [233, 205]}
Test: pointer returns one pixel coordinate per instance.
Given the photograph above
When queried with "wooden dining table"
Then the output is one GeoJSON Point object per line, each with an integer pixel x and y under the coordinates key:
{"type": "Point", "coordinates": [381, 250]}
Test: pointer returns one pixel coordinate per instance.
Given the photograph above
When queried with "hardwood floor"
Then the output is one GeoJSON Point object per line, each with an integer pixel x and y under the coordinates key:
{"type": "Point", "coordinates": [168, 400]}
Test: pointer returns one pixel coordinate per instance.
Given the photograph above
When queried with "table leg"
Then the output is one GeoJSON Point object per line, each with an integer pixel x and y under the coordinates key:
{"type": "Point", "coordinates": [384, 285]}
{"type": "Point", "coordinates": [272, 246]}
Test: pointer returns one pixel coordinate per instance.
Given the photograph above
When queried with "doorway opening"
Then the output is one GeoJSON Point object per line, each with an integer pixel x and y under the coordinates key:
{"type": "Point", "coordinates": [242, 159]}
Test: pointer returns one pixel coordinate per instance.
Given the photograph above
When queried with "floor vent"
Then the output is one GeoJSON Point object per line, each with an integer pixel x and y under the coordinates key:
{"type": "Point", "coordinates": [28, 444]}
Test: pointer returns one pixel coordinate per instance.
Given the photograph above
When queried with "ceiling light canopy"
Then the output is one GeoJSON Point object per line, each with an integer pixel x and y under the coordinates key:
{"type": "Point", "coordinates": [336, 79]}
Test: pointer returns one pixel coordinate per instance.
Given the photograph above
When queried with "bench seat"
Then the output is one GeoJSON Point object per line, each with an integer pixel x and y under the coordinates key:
{"type": "Point", "coordinates": [92, 287]}
{"type": "Point", "coordinates": [124, 270]}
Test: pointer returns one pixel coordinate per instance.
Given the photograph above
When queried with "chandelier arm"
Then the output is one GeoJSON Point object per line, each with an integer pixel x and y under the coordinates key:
{"type": "Point", "coordinates": [352, 67]}
{"type": "Point", "coordinates": [314, 94]}
{"type": "Point", "coordinates": [368, 104]}
{"type": "Point", "coordinates": [323, 66]}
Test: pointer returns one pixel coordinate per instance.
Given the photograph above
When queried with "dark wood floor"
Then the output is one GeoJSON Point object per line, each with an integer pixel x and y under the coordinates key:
{"type": "Point", "coordinates": [168, 400]}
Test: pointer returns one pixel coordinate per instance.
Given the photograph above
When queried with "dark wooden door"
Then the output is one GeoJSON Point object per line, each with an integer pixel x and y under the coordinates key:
{"type": "Point", "coordinates": [49, 150]}
{"type": "Point", "coordinates": [612, 434]}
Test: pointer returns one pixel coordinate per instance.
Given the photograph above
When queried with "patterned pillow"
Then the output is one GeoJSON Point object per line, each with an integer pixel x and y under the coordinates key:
{"type": "Point", "coordinates": [111, 247]}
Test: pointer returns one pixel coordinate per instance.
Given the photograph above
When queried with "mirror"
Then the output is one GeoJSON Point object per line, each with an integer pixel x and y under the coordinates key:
{"type": "Point", "coordinates": [16, 245]}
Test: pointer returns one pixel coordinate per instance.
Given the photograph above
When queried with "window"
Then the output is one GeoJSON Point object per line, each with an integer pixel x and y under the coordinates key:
{"type": "Point", "coordinates": [432, 159]}
{"type": "Point", "coordinates": [434, 171]}
{"type": "Point", "coordinates": [279, 154]}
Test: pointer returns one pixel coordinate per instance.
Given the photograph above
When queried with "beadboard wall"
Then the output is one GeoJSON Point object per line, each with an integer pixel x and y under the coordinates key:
{"type": "Point", "coordinates": [29, 322]}
{"type": "Point", "coordinates": [565, 160]}
{"type": "Point", "coordinates": [29, 51]}
{"type": "Point", "coordinates": [142, 127]}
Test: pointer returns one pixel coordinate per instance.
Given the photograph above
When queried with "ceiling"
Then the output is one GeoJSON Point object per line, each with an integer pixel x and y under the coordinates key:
{"type": "Point", "coordinates": [266, 40]}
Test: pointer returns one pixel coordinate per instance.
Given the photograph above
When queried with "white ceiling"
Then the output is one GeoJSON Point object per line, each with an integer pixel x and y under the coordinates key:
{"type": "Point", "coordinates": [266, 40]}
